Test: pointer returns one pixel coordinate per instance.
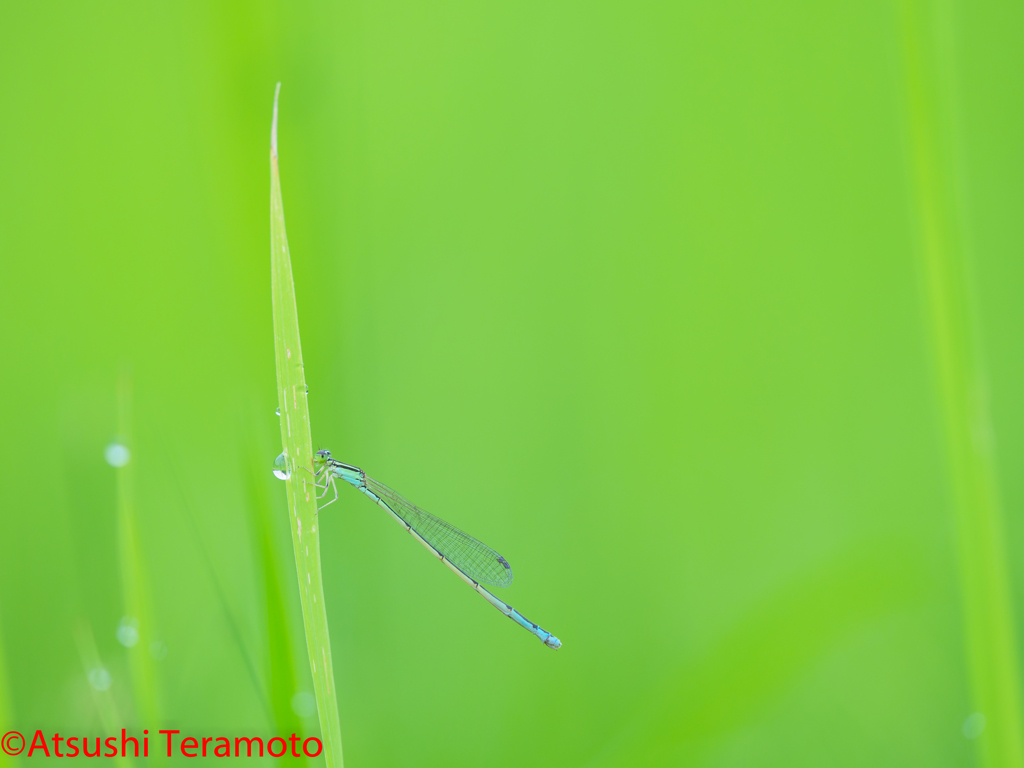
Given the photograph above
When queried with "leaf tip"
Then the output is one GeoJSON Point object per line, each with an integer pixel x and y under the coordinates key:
{"type": "Point", "coordinates": [273, 125]}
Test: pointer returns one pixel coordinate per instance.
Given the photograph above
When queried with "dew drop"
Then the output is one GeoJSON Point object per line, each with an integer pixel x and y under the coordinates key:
{"type": "Point", "coordinates": [158, 650]}
{"type": "Point", "coordinates": [304, 704]}
{"type": "Point", "coordinates": [973, 726]}
{"type": "Point", "coordinates": [277, 411]}
{"type": "Point", "coordinates": [281, 468]}
{"type": "Point", "coordinates": [117, 455]}
{"type": "Point", "coordinates": [99, 678]}
{"type": "Point", "coordinates": [128, 632]}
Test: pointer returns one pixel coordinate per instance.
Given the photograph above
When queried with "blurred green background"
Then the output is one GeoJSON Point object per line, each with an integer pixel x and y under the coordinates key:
{"type": "Point", "coordinates": [629, 291]}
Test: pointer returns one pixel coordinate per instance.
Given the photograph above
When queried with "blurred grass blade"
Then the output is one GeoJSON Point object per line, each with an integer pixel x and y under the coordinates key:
{"type": "Point", "coordinates": [6, 709]}
{"type": "Point", "coordinates": [101, 684]}
{"type": "Point", "coordinates": [137, 631]}
{"type": "Point", "coordinates": [222, 600]}
{"type": "Point", "coordinates": [298, 451]}
{"type": "Point", "coordinates": [959, 370]}
{"type": "Point", "coordinates": [765, 654]}
{"type": "Point", "coordinates": [279, 639]}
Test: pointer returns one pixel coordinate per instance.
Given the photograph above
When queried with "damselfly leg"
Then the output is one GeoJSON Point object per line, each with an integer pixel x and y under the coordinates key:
{"type": "Point", "coordinates": [329, 482]}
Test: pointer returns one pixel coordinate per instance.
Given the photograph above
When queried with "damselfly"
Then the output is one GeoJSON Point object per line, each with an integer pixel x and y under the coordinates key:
{"type": "Point", "coordinates": [473, 561]}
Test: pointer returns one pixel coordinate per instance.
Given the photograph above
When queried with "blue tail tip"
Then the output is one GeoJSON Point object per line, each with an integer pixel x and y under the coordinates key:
{"type": "Point", "coordinates": [552, 642]}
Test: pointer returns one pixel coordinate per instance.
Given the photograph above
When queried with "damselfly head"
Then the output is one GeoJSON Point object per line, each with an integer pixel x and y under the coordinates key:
{"type": "Point", "coordinates": [321, 458]}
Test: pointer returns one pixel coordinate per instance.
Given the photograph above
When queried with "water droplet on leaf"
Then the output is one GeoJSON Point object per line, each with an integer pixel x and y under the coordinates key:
{"type": "Point", "coordinates": [304, 704]}
{"type": "Point", "coordinates": [973, 726]}
{"type": "Point", "coordinates": [99, 678]}
{"type": "Point", "coordinates": [117, 455]}
{"type": "Point", "coordinates": [281, 468]}
{"type": "Point", "coordinates": [128, 632]}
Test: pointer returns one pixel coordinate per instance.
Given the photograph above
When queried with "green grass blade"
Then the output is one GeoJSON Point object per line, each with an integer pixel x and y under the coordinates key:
{"type": "Point", "coordinates": [104, 699]}
{"type": "Point", "coordinates": [136, 597]}
{"type": "Point", "coordinates": [6, 710]}
{"type": "Point", "coordinates": [279, 638]}
{"type": "Point", "coordinates": [960, 379]}
{"type": "Point", "coordinates": [298, 449]}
